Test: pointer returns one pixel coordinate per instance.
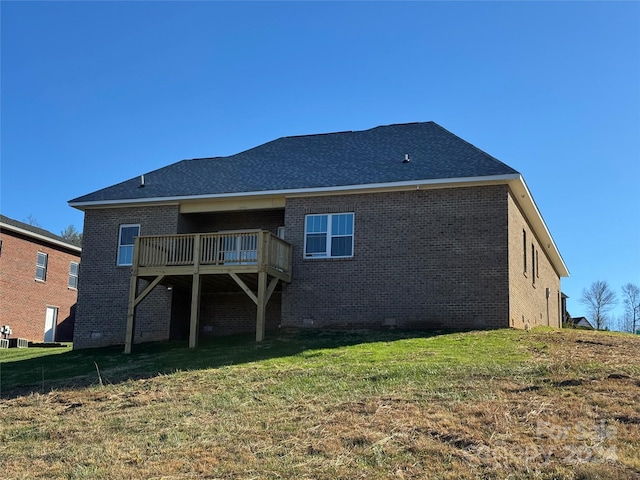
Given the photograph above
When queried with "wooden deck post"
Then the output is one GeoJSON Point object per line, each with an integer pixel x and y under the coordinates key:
{"type": "Point", "coordinates": [133, 292]}
{"type": "Point", "coordinates": [195, 295]}
{"type": "Point", "coordinates": [261, 307]}
{"type": "Point", "coordinates": [195, 311]}
{"type": "Point", "coordinates": [263, 257]}
{"type": "Point", "coordinates": [131, 313]}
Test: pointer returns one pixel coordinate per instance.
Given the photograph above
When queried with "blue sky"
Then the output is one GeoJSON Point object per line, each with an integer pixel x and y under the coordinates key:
{"type": "Point", "coordinates": [94, 93]}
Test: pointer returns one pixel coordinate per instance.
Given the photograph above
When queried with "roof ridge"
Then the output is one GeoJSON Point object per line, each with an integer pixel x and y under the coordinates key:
{"type": "Point", "coordinates": [359, 131]}
{"type": "Point", "coordinates": [286, 163]}
{"type": "Point", "coordinates": [473, 146]}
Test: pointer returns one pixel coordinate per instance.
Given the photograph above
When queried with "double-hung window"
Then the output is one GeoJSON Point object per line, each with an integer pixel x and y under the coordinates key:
{"type": "Point", "coordinates": [125, 243]}
{"type": "Point", "coordinates": [41, 267]}
{"type": "Point", "coordinates": [329, 235]}
{"type": "Point", "coordinates": [73, 275]}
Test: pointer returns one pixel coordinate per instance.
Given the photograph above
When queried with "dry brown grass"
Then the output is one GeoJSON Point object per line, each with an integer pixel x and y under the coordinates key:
{"type": "Point", "coordinates": [567, 410]}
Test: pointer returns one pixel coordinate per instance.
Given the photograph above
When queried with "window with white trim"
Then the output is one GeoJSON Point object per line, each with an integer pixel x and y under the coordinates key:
{"type": "Point", "coordinates": [125, 243]}
{"type": "Point", "coordinates": [524, 249]}
{"type": "Point", "coordinates": [41, 266]}
{"type": "Point", "coordinates": [328, 235]}
{"type": "Point", "coordinates": [73, 275]}
{"type": "Point", "coordinates": [533, 265]}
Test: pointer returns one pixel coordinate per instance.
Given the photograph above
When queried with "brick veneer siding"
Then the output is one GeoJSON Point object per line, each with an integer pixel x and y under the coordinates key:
{"type": "Point", "coordinates": [528, 305]}
{"type": "Point", "coordinates": [23, 299]}
{"type": "Point", "coordinates": [437, 258]}
{"type": "Point", "coordinates": [103, 292]}
{"type": "Point", "coordinates": [228, 313]}
{"type": "Point", "coordinates": [425, 258]}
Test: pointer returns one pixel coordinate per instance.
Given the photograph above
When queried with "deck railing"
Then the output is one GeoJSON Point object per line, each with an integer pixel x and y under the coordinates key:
{"type": "Point", "coordinates": [243, 247]}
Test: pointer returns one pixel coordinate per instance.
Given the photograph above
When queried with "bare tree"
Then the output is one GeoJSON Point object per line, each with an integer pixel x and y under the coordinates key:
{"type": "Point", "coordinates": [31, 220]}
{"type": "Point", "coordinates": [71, 235]}
{"type": "Point", "coordinates": [599, 299]}
{"type": "Point", "coordinates": [631, 301]}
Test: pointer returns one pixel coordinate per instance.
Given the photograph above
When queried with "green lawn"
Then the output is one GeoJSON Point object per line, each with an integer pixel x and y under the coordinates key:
{"type": "Point", "coordinates": [496, 404]}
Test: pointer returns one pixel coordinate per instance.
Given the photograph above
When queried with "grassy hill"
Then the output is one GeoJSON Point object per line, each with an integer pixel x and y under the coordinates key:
{"type": "Point", "coordinates": [499, 404]}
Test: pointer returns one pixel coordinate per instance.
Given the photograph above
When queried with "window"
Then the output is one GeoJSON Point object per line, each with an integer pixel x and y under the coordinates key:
{"type": "Point", "coordinates": [537, 269]}
{"type": "Point", "coordinates": [73, 275]}
{"type": "Point", "coordinates": [41, 267]}
{"type": "Point", "coordinates": [329, 235]}
{"type": "Point", "coordinates": [524, 249]}
{"type": "Point", "coordinates": [533, 266]}
{"type": "Point", "coordinates": [125, 243]}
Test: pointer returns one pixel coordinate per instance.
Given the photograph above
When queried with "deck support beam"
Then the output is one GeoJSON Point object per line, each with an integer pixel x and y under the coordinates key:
{"type": "Point", "coordinates": [134, 300]}
{"type": "Point", "coordinates": [264, 294]}
{"type": "Point", "coordinates": [163, 256]}
{"type": "Point", "coordinates": [261, 306]}
{"type": "Point", "coordinates": [131, 314]}
{"type": "Point", "coordinates": [244, 287]}
{"type": "Point", "coordinates": [194, 322]}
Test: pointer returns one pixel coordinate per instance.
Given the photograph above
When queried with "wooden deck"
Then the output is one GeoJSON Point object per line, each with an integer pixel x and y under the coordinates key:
{"type": "Point", "coordinates": [229, 253]}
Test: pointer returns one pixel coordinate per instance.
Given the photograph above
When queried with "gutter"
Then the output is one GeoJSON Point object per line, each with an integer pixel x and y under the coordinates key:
{"type": "Point", "coordinates": [515, 181]}
{"type": "Point", "coordinates": [445, 182]}
{"type": "Point", "coordinates": [21, 231]}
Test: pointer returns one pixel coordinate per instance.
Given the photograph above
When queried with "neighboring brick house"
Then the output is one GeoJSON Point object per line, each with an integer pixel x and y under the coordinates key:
{"type": "Point", "coordinates": [38, 282]}
{"type": "Point", "coordinates": [404, 226]}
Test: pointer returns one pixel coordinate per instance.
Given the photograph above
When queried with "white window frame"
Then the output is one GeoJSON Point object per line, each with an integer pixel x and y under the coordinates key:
{"type": "Point", "coordinates": [73, 277]}
{"type": "Point", "coordinates": [119, 261]}
{"type": "Point", "coordinates": [42, 266]}
{"type": "Point", "coordinates": [329, 235]}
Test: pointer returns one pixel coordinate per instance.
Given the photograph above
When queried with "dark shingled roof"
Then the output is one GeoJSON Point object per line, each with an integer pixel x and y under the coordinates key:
{"type": "Point", "coordinates": [30, 228]}
{"type": "Point", "coordinates": [314, 161]}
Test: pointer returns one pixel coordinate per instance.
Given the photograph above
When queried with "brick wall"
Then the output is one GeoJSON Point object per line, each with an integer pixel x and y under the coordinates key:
{"type": "Point", "coordinates": [424, 258]}
{"type": "Point", "coordinates": [530, 304]}
{"type": "Point", "coordinates": [23, 299]}
{"type": "Point", "coordinates": [228, 313]}
{"type": "Point", "coordinates": [441, 258]}
{"type": "Point", "coordinates": [103, 292]}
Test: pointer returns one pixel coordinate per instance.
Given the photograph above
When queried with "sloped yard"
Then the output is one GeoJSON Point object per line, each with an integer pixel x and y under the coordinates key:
{"type": "Point", "coordinates": [499, 404]}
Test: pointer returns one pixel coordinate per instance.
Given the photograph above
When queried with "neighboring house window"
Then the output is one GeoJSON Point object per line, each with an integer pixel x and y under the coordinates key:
{"type": "Point", "coordinates": [524, 249]}
{"type": "Point", "coordinates": [329, 235]}
{"type": "Point", "coordinates": [533, 266]}
{"type": "Point", "coordinates": [537, 269]}
{"type": "Point", "coordinates": [41, 267]}
{"type": "Point", "coordinates": [73, 275]}
{"type": "Point", "coordinates": [125, 243]}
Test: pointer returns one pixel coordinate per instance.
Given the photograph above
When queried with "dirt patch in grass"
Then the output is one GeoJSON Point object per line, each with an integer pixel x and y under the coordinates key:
{"type": "Point", "coordinates": [541, 405]}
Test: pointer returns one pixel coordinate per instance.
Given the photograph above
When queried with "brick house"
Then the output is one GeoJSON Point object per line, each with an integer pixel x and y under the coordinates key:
{"type": "Point", "coordinates": [404, 226]}
{"type": "Point", "coordinates": [38, 282]}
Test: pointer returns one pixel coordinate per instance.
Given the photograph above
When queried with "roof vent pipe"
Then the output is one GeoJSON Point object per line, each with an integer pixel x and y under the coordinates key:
{"type": "Point", "coordinates": [406, 158]}
{"type": "Point", "coordinates": [141, 180]}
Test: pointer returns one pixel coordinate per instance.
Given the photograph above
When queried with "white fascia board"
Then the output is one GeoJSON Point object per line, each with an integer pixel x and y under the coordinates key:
{"type": "Point", "coordinates": [334, 190]}
{"type": "Point", "coordinates": [515, 181]}
{"type": "Point", "coordinates": [525, 200]}
{"type": "Point", "coordinates": [37, 236]}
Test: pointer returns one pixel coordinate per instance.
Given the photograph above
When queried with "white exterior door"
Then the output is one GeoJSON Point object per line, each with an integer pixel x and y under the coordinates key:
{"type": "Point", "coordinates": [50, 324]}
